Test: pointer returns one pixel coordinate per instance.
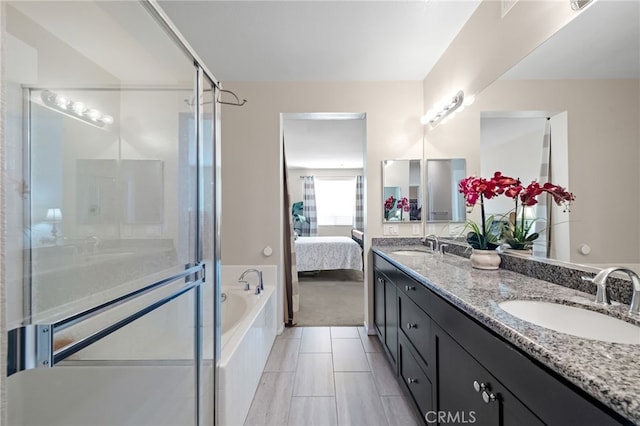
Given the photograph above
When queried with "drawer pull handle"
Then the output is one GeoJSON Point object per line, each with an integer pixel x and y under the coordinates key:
{"type": "Point", "coordinates": [479, 386]}
{"type": "Point", "coordinates": [411, 380]}
{"type": "Point", "coordinates": [410, 325]}
{"type": "Point", "coordinates": [488, 397]}
{"type": "Point", "coordinates": [409, 287]}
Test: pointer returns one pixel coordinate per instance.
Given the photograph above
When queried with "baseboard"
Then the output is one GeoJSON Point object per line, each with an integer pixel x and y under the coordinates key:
{"type": "Point", "coordinates": [371, 331]}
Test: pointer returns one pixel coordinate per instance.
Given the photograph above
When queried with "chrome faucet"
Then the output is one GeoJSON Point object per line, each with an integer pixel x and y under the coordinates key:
{"type": "Point", "coordinates": [600, 280]}
{"type": "Point", "coordinates": [433, 245]}
{"type": "Point", "coordinates": [91, 241]}
{"type": "Point", "coordinates": [260, 284]}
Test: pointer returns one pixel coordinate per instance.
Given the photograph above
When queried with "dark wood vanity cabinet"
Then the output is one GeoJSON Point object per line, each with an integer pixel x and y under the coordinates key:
{"type": "Point", "coordinates": [456, 371]}
{"type": "Point", "coordinates": [468, 392]}
{"type": "Point", "coordinates": [385, 313]}
{"type": "Point", "coordinates": [379, 304]}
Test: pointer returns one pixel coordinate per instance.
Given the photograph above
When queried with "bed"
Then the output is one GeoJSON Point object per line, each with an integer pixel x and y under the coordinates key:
{"type": "Point", "coordinates": [327, 253]}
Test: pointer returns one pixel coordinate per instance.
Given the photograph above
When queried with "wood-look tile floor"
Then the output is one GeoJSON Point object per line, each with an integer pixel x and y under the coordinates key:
{"type": "Point", "coordinates": [328, 376]}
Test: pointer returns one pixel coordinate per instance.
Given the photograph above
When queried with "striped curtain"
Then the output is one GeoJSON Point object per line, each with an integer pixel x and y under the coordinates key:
{"type": "Point", "coordinates": [358, 214]}
{"type": "Point", "coordinates": [310, 227]}
{"type": "Point", "coordinates": [543, 208]}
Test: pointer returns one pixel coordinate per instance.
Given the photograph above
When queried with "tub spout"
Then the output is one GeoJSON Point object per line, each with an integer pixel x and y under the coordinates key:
{"type": "Point", "coordinates": [260, 284]}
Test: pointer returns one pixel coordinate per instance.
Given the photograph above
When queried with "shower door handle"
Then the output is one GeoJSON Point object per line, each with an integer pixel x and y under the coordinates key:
{"type": "Point", "coordinates": [31, 346]}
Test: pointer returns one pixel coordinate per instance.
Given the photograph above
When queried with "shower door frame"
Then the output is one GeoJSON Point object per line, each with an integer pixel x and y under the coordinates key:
{"type": "Point", "coordinates": [26, 344]}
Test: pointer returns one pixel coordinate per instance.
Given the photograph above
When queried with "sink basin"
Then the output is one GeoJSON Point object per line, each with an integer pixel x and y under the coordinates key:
{"type": "Point", "coordinates": [411, 253]}
{"type": "Point", "coordinates": [573, 320]}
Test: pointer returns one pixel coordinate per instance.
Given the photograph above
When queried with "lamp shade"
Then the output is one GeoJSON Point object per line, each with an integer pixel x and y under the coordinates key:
{"type": "Point", "coordinates": [53, 215]}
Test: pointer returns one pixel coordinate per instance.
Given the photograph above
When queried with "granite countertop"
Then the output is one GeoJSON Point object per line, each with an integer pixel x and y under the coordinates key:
{"type": "Point", "coordinates": [610, 372]}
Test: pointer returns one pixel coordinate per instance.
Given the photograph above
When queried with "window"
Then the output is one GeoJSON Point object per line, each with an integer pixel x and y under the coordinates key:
{"type": "Point", "coordinates": [335, 200]}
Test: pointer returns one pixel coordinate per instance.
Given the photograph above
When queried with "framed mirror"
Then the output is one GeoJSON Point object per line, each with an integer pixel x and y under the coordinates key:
{"type": "Point", "coordinates": [401, 191]}
{"type": "Point", "coordinates": [443, 202]}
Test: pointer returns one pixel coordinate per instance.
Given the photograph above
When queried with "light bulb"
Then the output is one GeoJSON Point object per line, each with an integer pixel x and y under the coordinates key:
{"type": "Point", "coordinates": [93, 114]}
{"type": "Point", "coordinates": [78, 107]}
{"type": "Point", "coordinates": [469, 100]}
{"type": "Point", "coordinates": [62, 102]}
{"type": "Point", "coordinates": [107, 119]}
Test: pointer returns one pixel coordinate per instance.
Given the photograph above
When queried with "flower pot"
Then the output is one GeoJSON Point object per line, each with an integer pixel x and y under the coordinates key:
{"type": "Point", "coordinates": [519, 252]}
{"type": "Point", "coordinates": [485, 259]}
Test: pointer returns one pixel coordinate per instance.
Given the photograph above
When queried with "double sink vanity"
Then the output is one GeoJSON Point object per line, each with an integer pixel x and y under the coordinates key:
{"type": "Point", "coordinates": [502, 348]}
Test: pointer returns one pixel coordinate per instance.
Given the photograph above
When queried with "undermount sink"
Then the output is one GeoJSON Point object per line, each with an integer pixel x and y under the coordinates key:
{"type": "Point", "coordinates": [411, 253]}
{"type": "Point", "coordinates": [573, 320]}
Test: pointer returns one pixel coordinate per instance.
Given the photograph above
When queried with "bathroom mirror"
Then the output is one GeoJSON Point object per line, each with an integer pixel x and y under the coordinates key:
{"type": "Point", "coordinates": [142, 191]}
{"type": "Point", "coordinates": [586, 79]}
{"type": "Point", "coordinates": [443, 202]}
{"type": "Point", "coordinates": [97, 192]}
{"type": "Point", "coordinates": [401, 191]}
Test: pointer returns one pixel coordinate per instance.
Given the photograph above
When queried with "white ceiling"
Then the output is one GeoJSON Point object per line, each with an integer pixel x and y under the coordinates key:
{"type": "Point", "coordinates": [380, 40]}
{"type": "Point", "coordinates": [324, 144]}
{"type": "Point", "coordinates": [320, 41]}
{"type": "Point", "coordinates": [338, 40]}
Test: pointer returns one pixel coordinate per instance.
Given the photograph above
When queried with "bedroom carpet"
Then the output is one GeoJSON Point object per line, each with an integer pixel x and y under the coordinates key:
{"type": "Point", "coordinates": [331, 298]}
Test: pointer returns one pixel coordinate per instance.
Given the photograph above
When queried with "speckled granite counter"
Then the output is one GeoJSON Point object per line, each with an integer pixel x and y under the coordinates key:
{"type": "Point", "coordinates": [610, 372]}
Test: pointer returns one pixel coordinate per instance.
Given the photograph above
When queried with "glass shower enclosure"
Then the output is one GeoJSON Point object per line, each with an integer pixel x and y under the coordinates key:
{"type": "Point", "coordinates": [111, 254]}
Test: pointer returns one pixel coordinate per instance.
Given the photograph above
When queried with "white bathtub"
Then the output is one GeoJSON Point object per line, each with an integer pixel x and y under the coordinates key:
{"type": "Point", "coordinates": [248, 333]}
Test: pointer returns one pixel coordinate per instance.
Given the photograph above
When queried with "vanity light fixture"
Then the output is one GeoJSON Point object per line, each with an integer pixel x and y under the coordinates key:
{"type": "Point", "coordinates": [579, 4]}
{"type": "Point", "coordinates": [443, 109]}
{"type": "Point", "coordinates": [75, 109]}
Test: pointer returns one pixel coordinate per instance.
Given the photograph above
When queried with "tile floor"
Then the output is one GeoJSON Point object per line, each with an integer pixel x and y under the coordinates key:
{"type": "Point", "coordinates": [329, 376]}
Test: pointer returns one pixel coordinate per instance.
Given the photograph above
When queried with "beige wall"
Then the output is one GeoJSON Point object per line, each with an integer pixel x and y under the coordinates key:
{"type": "Point", "coordinates": [251, 154]}
{"type": "Point", "coordinates": [488, 45]}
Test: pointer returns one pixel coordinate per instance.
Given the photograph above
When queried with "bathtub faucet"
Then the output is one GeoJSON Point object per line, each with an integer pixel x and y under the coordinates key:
{"type": "Point", "coordinates": [259, 286]}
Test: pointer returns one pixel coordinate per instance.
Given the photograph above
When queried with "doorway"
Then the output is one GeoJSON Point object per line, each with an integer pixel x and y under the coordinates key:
{"type": "Point", "coordinates": [325, 182]}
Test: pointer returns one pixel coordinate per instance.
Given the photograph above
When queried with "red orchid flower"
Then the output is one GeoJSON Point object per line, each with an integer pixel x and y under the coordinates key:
{"type": "Point", "coordinates": [529, 194]}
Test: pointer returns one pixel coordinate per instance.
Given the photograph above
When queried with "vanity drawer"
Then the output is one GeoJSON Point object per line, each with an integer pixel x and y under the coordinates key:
{"type": "Point", "coordinates": [416, 291]}
{"type": "Point", "coordinates": [414, 379]}
{"type": "Point", "coordinates": [385, 267]}
{"type": "Point", "coordinates": [416, 325]}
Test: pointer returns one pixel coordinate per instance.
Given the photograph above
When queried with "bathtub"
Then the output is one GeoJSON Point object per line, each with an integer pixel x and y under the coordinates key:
{"type": "Point", "coordinates": [248, 324]}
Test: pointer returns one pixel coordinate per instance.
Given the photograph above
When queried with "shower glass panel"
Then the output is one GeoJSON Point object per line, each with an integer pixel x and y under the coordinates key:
{"type": "Point", "coordinates": [112, 219]}
{"type": "Point", "coordinates": [141, 375]}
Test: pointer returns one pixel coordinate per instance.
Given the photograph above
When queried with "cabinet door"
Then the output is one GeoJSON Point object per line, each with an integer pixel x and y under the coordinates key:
{"type": "Point", "coordinates": [391, 317]}
{"type": "Point", "coordinates": [416, 381]}
{"type": "Point", "coordinates": [469, 393]}
{"type": "Point", "coordinates": [378, 305]}
{"type": "Point", "coordinates": [416, 325]}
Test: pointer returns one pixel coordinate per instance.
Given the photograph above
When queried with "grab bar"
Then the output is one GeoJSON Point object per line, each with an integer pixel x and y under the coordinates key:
{"type": "Point", "coordinates": [104, 332]}
{"type": "Point", "coordinates": [31, 346]}
{"type": "Point", "coordinates": [96, 310]}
